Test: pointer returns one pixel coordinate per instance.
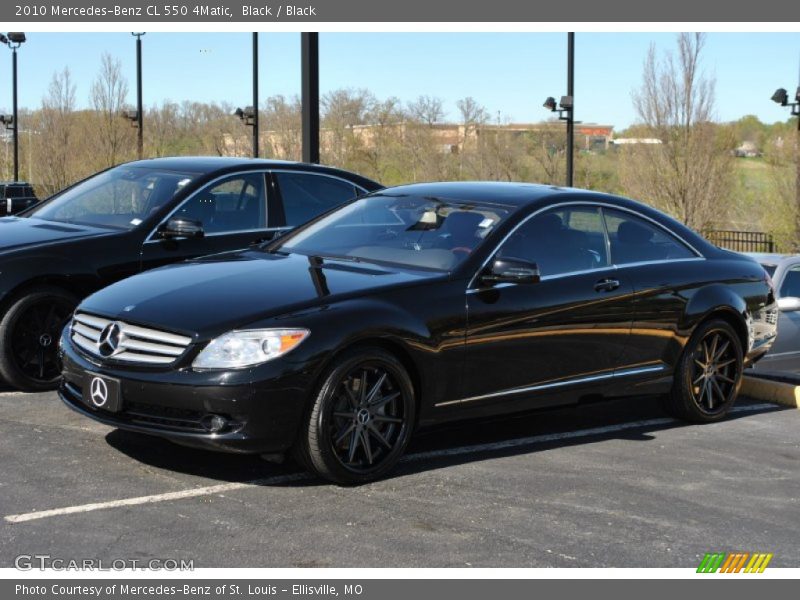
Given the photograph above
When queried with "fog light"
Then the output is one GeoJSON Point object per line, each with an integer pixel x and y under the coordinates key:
{"type": "Point", "coordinates": [214, 423]}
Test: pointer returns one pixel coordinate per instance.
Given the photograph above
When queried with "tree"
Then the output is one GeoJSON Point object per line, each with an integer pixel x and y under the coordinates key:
{"type": "Point", "coordinates": [343, 111]}
{"type": "Point", "coordinates": [56, 134]}
{"type": "Point", "coordinates": [690, 173]}
{"type": "Point", "coordinates": [108, 97]}
{"type": "Point", "coordinates": [473, 117]}
{"type": "Point", "coordinates": [283, 120]}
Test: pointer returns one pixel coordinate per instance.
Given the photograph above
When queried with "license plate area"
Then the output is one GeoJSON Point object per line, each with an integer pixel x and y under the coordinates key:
{"type": "Point", "coordinates": [102, 393]}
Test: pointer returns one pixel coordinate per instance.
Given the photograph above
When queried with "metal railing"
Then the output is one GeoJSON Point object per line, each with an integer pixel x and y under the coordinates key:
{"type": "Point", "coordinates": [742, 241]}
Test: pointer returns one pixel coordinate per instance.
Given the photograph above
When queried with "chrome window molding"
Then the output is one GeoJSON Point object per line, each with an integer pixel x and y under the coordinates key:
{"type": "Point", "coordinates": [593, 204]}
{"type": "Point", "coordinates": [330, 176]}
{"type": "Point", "coordinates": [556, 384]}
{"type": "Point", "coordinates": [151, 237]}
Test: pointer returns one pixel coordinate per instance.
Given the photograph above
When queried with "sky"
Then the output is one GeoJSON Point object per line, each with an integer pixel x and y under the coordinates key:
{"type": "Point", "coordinates": [509, 73]}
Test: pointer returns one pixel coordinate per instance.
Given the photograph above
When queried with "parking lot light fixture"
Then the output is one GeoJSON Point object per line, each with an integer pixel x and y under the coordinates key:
{"type": "Point", "coordinates": [14, 40]}
{"type": "Point", "coordinates": [566, 107]}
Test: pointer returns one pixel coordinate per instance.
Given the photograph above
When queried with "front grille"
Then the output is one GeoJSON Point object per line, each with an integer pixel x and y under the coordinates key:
{"type": "Point", "coordinates": [772, 317]}
{"type": "Point", "coordinates": [129, 343]}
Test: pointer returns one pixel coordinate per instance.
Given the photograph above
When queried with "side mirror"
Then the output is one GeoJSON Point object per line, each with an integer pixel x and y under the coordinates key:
{"type": "Point", "coordinates": [181, 227]}
{"type": "Point", "coordinates": [511, 270]}
{"type": "Point", "coordinates": [789, 304]}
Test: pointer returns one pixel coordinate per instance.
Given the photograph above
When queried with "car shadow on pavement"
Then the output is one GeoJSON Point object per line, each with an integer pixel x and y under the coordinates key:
{"type": "Point", "coordinates": [433, 448]}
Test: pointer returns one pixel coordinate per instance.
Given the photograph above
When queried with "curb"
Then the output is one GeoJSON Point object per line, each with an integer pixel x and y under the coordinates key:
{"type": "Point", "coordinates": [785, 394]}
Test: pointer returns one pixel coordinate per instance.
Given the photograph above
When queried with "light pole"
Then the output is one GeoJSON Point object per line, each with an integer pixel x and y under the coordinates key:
{"type": "Point", "coordinates": [781, 96]}
{"type": "Point", "coordinates": [564, 110]}
{"type": "Point", "coordinates": [139, 108]}
{"type": "Point", "coordinates": [566, 107]}
{"type": "Point", "coordinates": [14, 40]}
{"type": "Point", "coordinates": [255, 94]}
{"type": "Point", "coordinates": [309, 56]}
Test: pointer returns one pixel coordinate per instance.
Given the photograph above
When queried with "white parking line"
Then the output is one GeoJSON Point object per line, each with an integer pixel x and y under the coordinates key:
{"type": "Point", "coordinates": [282, 479]}
{"type": "Point", "coordinates": [192, 493]}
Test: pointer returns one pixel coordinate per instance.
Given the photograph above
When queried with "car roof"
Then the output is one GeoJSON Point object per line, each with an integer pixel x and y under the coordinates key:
{"type": "Point", "coordinates": [206, 163]}
{"type": "Point", "coordinates": [494, 192]}
{"type": "Point", "coordinates": [211, 164]}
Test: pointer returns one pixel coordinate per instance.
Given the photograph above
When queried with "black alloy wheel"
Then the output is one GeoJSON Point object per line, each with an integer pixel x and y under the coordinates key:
{"type": "Point", "coordinates": [715, 371]}
{"type": "Point", "coordinates": [29, 335]}
{"type": "Point", "coordinates": [361, 420]}
{"type": "Point", "coordinates": [708, 374]}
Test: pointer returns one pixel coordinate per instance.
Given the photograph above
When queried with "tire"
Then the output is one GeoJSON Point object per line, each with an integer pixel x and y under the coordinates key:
{"type": "Point", "coordinates": [29, 334]}
{"type": "Point", "coordinates": [708, 375]}
{"type": "Point", "coordinates": [355, 433]}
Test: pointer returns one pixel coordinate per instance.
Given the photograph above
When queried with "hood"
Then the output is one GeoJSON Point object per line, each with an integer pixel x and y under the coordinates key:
{"type": "Point", "coordinates": [17, 232]}
{"type": "Point", "coordinates": [208, 296]}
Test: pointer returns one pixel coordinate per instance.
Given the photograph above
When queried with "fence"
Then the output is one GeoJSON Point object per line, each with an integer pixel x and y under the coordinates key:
{"type": "Point", "coordinates": [742, 241]}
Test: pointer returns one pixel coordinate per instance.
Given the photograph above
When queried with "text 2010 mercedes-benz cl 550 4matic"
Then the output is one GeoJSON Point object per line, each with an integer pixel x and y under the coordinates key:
{"type": "Point", "coordinates": [417, 305]}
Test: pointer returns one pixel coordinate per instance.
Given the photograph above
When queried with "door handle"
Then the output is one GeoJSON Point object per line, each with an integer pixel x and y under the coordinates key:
{"type": "Point", "coordinates": [606, 285]}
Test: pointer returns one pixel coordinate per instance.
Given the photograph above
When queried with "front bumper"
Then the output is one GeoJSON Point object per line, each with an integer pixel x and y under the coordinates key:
{"type": "Point", "coordinates": [263, 406]}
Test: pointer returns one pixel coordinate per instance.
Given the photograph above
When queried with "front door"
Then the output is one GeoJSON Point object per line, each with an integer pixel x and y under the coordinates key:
{"type": "Point", "coordinates": [568, 330]}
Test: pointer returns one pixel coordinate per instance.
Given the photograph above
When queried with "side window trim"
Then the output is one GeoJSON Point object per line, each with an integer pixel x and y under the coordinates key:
{"type": "Point", "coordinates": [151, 237]}
{"type": "Point", "coordinates": [698, 256]}
{"type": "Point", "coordinates": [359, 191]}
{"type": "Point", "coordinates": [667, 232]}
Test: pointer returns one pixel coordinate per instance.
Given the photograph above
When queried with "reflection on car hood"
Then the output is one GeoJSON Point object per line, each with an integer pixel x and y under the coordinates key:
{"type": "Point", "coordinates": [17, 232]}
{"type": "Point", "coordinates": [225, 291]}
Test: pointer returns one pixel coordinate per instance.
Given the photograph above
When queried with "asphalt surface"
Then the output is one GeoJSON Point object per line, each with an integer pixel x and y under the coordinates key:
{"type": "Point", "coordinates": [607, 485]}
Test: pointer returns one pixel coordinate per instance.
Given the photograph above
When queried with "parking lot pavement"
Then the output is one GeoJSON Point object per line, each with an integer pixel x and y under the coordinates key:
{"type": "Point", "coordinates": [612, 484]}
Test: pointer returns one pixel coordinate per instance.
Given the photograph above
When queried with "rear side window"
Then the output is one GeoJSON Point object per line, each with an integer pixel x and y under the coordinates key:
{"type": "Point", "coordinates": [306, 195]}
{"type": "Point", "coordinates": [790, 288]}
{"type": "Point", "coordinates": [633, 240]}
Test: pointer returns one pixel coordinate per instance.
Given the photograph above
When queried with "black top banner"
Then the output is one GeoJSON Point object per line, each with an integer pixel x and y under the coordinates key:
{"type": "Point", "coordinates": [465, 11]}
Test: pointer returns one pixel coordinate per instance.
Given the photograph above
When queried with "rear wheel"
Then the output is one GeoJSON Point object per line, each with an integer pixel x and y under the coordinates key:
{"type": "Point", "coordinates": [29, 334]}
{"type": "Point", "coordinates": [361, 419]}
{"type": "Point", "coordinates": [709, 374]}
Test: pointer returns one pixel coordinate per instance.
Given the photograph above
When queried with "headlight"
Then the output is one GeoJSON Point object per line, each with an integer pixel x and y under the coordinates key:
{"type": "Point", "coordinates": [245, 348]}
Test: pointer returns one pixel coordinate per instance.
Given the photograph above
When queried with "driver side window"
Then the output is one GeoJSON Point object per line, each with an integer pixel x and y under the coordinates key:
{"type": "Point", "coordinates": [560, 241]}
{"type": "Point", "coordinates": [228, 206]}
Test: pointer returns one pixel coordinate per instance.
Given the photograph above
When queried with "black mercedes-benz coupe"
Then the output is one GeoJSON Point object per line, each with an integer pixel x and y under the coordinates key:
{"type": "Point", "coordinates": [134, 217]}
{"type": "Point", "coordinates": [417, 305]}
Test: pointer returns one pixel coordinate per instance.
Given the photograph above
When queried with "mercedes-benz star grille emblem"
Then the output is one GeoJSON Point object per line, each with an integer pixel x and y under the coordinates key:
{"type": "Point", "coordinates": [99, 392]}
{"type": "Point", "coordinates": [108, 344]}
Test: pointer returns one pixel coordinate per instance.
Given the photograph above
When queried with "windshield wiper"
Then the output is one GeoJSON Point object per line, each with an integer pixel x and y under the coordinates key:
{"type": "Point", "coordinates": [320, 258]}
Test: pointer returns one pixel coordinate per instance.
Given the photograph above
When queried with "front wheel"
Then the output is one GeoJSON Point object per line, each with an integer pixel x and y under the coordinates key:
{"type": "Point", "coordinates": [709, 374]}
{"type": "Point", "coordinates": [361, 420]}
{"type": "Point", "coordinates": [29, 334]}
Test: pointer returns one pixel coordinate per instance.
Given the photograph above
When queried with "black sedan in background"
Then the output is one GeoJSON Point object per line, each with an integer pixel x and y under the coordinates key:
{"type": "Point", "coordinates": [132, 218]}
{"type": "Point", "coordinates": [784, 356]}
{"type": "Point", "coordinates": [417, 305]}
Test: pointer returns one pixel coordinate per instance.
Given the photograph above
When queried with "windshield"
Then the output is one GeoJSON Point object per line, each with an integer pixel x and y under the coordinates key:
{"type": "Point", "coordinates": [120, 198]}
{"type": "Point", "coordinates": [404, 230]}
